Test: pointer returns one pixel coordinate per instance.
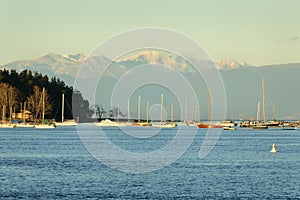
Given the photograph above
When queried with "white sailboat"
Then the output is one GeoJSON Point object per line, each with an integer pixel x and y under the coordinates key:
{"type": "Point", "coordinates": [106, 122]}
{"type": "Point", "coordinates": [4, 124]}
{"type": "Point", "coordinates": [163, 124]}
{"type": "Point", "coordinates": [7, 125]}
{"type": "Point", "coordinates": [43, 125]}
{"type": "Point", "coordinates": [110, 123]}
{"type": "Point", "coordinates": [258, 124]}
{"type": "Point", "coordinates": [63, 121]}
{"type": "Point", "coordinates": [139, 123]}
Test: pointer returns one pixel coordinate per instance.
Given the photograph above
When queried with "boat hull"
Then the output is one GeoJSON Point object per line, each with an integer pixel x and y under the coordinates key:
{"type": "Point", "coordinates": [141, 124]}
{"type": "Point", "coordinates": [226, 128]}
{"type": "Point", "coordinates": [24, 126]}
{"type": "Point", "coordinates": [289, 128]}
{"type": "Point", "coordinates": [7, 125]}
{"type": "Point", "coordinates": [109, 123]}
{"type": "Point", "coordinates": [165, 125]}
{"type": "Point", "coordinates": [66, 124]}
{"type": "Point", "coordinates": [260, 127]}
{"type": "Point", "coordinates": [201, 125]}
{"type": "Point", "coordinates": [44, 126]}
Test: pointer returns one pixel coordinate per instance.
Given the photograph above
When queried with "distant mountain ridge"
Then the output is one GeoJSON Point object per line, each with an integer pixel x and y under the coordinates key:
{"type": "Point", "coordinates": [67, 65]}
{"type": "Point", "coordinates": [51, 64]}
{"type": "Point", "coordinates": [158, 57]}
{"type": "Point", "coordinates": [242, 81]}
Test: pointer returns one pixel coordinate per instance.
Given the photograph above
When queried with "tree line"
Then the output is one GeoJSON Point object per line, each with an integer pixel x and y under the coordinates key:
{"type": "Point", "coordinates": [19, 91]}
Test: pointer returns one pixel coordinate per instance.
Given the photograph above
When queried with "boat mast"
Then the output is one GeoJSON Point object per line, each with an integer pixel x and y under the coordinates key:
{"type": "Point", "coordinates": [63, 107]}
{"type": "Point", "coordinates": [128, 112]}
{"type": "Point", "coordinates": [24, 120]}
{"type": "Point", "coordinates": [172, 113]}
{"type": "Point", "coordinates": [139, 109]}
{"type": "Point", "coordinates": [43, 105]}
{"type": "Point", "coordinates": [118, 115]}
{"type": "Point", "coordinates": [161, 105]}
{"type": "Point", "coordinates": [258, 112]}
{"type": "Point", "coordinates": [263, 99]}
{"type": "Point", "coordinates": [193, 111]}
{"type": "Point", "coordinates": [186, 109]}
{"type": "Point", "coordinates": [208, 107]}
{"type": "Point", "coordinates": [147, 111]}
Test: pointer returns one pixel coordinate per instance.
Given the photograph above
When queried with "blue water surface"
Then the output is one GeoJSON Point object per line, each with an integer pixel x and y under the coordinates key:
{"type": "Point", "coordinates": [54, 164]}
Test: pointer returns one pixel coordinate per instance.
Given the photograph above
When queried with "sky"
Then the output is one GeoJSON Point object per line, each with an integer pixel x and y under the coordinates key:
{"type": "Point", "coordinates": [258, 32]}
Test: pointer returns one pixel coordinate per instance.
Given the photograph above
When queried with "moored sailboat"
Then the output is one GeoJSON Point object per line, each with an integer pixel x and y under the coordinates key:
{"type": "Point", "coordinates": [208, 125]}
{"type": "Point", "coordinates": [107, 123]}
{"type": "Point", "coordinates": [162, 124]}
{"type": "Point", "coordinates": [139, 122]}
{"type": "Point", "coordinates": [258, 124]}
{"type": "Point", "coordinates": [4, 123]}
{"type": "Point", "coordinates": [63, 121]}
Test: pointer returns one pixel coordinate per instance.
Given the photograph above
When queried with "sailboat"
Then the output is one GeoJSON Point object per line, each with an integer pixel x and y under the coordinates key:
{"type": "Point", "coordinates": [63, 121]}
{"type": "Point", "coordinates": [139, 123]}
{"type": "Point", "coordinates": [186, 121]}
{"type": "Point", "coordinates": [208, 125]}
{"type": "Point", "coordinates": [110, 123]}
{"type": "Point", "coordinates": [163, 124]}
{"type": "Point", "coordinates": [258, 124]}
{"type": "Point", "coordinates": [4, 124]}
{"type": "Point", "coordinates": [43, 125]}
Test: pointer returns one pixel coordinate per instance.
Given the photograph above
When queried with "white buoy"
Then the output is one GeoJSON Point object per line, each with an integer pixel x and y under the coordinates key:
{"type": "Point", "coordinates": [273, 148]}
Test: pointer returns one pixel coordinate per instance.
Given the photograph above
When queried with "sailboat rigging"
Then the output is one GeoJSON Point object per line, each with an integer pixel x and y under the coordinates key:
{"type": "Point", "coordinates": [163, 124]}
{"type": "Point", "coordinates": [209, 125]}
{"type": "Point", "coordinates": [63, 121]}
{"type": "Point", "coordinates": [139, 123]}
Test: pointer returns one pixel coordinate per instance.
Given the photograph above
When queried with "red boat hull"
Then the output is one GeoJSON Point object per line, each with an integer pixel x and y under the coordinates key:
{"type": "Point", "coordinates": [200, 125]}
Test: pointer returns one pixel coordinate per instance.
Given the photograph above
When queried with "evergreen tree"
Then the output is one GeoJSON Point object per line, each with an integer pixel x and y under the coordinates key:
{"type": "Point", "coordinates": [16, 88]}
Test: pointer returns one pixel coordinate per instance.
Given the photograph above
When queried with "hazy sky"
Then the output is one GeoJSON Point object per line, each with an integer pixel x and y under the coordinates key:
{"type": "Point", "coordinates": [256, 31]}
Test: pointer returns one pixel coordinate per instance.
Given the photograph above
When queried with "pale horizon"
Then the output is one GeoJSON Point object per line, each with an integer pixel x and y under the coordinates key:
{"type": "Point", "coordinates": [258, 33]}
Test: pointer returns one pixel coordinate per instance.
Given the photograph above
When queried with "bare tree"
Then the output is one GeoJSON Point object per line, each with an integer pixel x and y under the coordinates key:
{"type": "Point", "coordinates": [3, 99]}
{"type": "Point", "coordinates": [13, 99]}
{"type": "Point", "coordinates": [8, 99]}
{"type": "Point", "coordinates": [4, 93]}
{"type": "Point", "coordinates": [35, 102]}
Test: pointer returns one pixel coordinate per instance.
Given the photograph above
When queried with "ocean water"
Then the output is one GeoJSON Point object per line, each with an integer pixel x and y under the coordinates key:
{"type": "Point", "coordinates": [54, 164]}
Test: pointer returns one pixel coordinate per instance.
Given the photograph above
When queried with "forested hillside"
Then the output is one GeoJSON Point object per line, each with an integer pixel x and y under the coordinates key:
{"type": "Point", "coordinates": [24, 90]}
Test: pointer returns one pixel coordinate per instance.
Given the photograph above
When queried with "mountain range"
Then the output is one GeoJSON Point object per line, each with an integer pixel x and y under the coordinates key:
{"type": "Point", "coordinates": [242, 81]}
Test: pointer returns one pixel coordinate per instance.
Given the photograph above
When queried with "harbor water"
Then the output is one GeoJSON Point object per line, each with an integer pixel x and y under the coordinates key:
{"type": "Point", "coordinates": [54, 164]}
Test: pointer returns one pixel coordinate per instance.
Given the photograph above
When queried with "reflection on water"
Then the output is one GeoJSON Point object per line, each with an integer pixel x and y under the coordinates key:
{"type": "Point", "coordinates": [55, 164]}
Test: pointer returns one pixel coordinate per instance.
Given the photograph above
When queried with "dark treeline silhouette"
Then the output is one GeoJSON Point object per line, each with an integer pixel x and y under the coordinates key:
{"type": "Point", "coordinates": [25, 85]}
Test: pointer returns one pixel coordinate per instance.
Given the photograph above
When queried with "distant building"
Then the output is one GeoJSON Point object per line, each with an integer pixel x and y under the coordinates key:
{"type": "Point", "coordinates": [21, 115]}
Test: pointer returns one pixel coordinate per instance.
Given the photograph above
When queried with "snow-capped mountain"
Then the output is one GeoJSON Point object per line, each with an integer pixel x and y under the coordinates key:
{"type": "Point", "coordinates": [66, 66]}
{"type": "Point", "coordinates": [242, 81]}
{"type": "Point", "coordinates": [157, 57]}
{"type": "Point", "coordinates": [230, 64]}
{"type": "Point", "coordinates": [227, 65]}
{"type": "Point", "coordinates": [50, 64]}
